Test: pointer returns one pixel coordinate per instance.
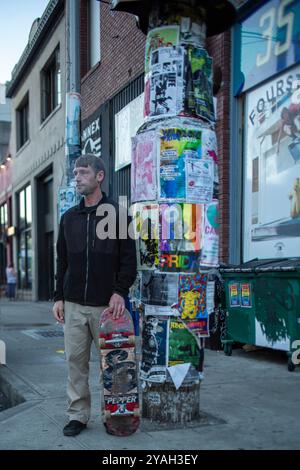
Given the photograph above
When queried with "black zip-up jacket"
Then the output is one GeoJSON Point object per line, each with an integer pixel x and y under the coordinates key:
{"type": "Point", "coordinates": [90, 270]}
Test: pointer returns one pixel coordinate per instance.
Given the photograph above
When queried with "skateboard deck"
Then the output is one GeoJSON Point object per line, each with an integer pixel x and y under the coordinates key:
{"type": "Point", "coordinates": [119, 368]}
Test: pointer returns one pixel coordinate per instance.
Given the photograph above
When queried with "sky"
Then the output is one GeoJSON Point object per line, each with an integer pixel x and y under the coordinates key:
{"type": "Point", "coordinates": [16, 18]}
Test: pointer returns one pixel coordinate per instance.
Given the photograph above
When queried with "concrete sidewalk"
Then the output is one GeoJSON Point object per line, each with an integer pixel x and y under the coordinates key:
{"type": "Point", "coordinates": [250, 400]}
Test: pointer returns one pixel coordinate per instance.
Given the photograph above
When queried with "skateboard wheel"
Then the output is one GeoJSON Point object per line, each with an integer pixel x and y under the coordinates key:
{"type": "Point", "coordinates": [102, 342]}
{"type": "Point", "coordinates": [131, 339]}
{"type": "Point", "coordinates": [107, 414]}
{"type": "Point", "coordinates": [136, 412]}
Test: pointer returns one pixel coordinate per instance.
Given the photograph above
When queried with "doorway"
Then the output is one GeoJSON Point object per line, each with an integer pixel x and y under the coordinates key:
{"type": "Point", "coordinates": [45, 235]}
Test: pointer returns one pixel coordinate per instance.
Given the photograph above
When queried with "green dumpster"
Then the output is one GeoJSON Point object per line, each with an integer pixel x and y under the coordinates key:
{"type": "Point", "coordinates": [262, 302]}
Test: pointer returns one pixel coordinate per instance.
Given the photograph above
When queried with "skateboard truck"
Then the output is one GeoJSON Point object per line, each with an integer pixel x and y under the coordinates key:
{"type": "Point", "coordinates": [117, 340]}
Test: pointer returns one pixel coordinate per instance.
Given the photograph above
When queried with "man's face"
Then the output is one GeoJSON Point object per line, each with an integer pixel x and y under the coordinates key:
{"type": "Point", "coordinates": [87, 181]}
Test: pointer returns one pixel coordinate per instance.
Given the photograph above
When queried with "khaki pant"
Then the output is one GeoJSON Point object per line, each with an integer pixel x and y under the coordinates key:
{"type": "Point", "coordinates": [81, 328]}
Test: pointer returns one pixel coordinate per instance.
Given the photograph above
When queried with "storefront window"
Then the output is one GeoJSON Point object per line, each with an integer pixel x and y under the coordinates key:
{"type": "Point", "coordinates": [266, 82]}
{"type": "Point", "coordinates": [28, 206]}
{"type": "Point", "coordinates": [22, 209]}
{"type": "Point", "coordinates": [3, 228]}
{"type": "Point", "coordinates": [272, 169]}
{"type": "Point", "coordinates": [25, 239]}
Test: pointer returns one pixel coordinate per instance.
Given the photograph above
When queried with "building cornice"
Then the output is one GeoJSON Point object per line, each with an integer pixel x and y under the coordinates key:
{"type": "Point", "coordinates": [51, 13]}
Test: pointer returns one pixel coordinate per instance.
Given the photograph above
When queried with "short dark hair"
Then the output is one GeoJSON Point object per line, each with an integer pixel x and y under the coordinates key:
{"type": "Point", "coordinates": [89, 159]}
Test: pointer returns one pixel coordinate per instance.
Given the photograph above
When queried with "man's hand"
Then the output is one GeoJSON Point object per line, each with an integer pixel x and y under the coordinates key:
{"type": "Point", "coordinates": [117, 306]}
{"type": "Point", "coordinates": [58, 311]}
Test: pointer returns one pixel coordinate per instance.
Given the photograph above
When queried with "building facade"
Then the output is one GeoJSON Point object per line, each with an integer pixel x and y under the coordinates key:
{"type": "Point", "coordinates": [112, 65]}
{"type": "Point", "coordinates": [265, 132]}
{"type": "Point", "coordinates": [37, 147]}
{"type": "Point", "coordinates": [6, 248]}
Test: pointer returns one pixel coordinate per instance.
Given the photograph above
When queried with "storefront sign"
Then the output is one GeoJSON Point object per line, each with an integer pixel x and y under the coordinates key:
{"type": "Point", "coordinates": [91, 134]}
{"type": "Point", "coordinates": [267, 43]}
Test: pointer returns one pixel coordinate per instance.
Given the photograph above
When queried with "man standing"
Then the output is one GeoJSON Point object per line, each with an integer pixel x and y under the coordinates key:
{"type": "Point", "coordinates": [95, 270]}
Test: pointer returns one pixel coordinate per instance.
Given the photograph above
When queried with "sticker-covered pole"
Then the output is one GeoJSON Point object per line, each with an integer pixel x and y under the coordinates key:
{"type": "Point", "coordinates": [174, 177]}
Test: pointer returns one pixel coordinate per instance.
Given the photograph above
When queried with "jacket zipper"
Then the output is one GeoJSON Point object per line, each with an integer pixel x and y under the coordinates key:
{"type": "Point", "coordinates": [94, 232]}
{"type": "Point", "coordinates": [87, 257]}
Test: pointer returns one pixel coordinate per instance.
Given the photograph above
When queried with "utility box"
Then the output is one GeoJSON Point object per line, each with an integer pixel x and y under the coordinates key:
{"type": "Point", "coordinates": [262, 300]}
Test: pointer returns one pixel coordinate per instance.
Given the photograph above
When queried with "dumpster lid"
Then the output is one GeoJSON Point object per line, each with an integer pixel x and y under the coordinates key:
{"type": "Point", "coordinates": [262, 265]}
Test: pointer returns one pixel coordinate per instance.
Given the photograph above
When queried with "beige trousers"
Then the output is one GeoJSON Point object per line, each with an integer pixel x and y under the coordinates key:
{"type": "Point", "coordinates": [81, 329]}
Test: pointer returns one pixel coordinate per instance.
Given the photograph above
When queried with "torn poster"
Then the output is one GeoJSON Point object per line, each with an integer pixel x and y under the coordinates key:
{"type": "Point", "coordinates": [199, 328]}
{"type": "Point", "coordinates": [146, 231]}
{"type": "Point", "coordinates": [166, 82]}
{"type": "Point", "coordinates": [183, 346]}
{"type": "Point", "coordinates": [210, 149]}
{"type": "Point", "coordinates": [180, 227]}
{"type": "Point", "coordinates": [160, 37]}
{"type": "Point", "coordinates": [159, 288]}
{"type": "Point", "coordinates": [210, 296]}
{"type": "Point", "coordinates": [175, 146]}
{"type": "Point", "coordinates": [66, 199]}
{"type": "Point", "coordinates": [154, 351]}
{"type": "Point", "coordinates": [135, 289]}
{"type": "Point", "coordinates": [144, 167]}
{"type": "Point", "coordinates": [180, 237]}
{"type": "Point", "coordinates": [210, 250]}
{"type": "Point", "coordinates": [159, 310]}
{"type": "Point", "coordinates": [191, 32]}
{"type": "Point", "coordinates": [199, 180]}
{"type": "Point", "coordinates": [199, 96]}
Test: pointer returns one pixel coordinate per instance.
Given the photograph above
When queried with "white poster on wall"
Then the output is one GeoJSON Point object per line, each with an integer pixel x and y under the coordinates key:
{"type": "Point", "coordinates": [272, 169]}
{"type": "Point", "coordinates": [127, 122]}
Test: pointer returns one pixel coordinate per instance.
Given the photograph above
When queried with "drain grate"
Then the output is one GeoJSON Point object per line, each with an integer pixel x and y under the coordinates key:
{"type": "Point", "coordinates": [40, 334]}
{"type": "Point", "coordinates": [50, 334]}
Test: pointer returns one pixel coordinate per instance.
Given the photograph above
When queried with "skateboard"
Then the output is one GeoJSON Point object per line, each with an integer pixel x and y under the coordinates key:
{"type": "Point", "coordinates": [121, 414]}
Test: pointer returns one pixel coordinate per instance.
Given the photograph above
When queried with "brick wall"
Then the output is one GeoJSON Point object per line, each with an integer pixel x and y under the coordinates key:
{"type": "Point", "coordinates": [83, 38]}
{"type": "Point", "coordinates": [122, 57]}
{"type": "Point", "coordinates": [219, 48]}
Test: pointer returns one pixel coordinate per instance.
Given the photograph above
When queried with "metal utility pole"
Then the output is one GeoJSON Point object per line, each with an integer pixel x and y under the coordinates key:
{"type": "Point", "coordinates": [72, 132]}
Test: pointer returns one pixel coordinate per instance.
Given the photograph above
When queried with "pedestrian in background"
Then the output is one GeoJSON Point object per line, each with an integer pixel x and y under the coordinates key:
{"type": "Point", "coordinates": [11, 279]}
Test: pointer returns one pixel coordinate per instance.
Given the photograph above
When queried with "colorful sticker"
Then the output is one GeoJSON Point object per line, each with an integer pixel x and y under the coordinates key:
{"type": "Point", "coordinates": [246, 295]}
{"type": "Point", "coordinates": [234, 295]}
{"type": "Point", "coordinates": [192, 296]}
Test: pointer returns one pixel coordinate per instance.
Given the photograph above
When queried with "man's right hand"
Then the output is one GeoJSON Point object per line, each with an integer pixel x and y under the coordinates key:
{"type": "Point", "coordinates": [59, 311]}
